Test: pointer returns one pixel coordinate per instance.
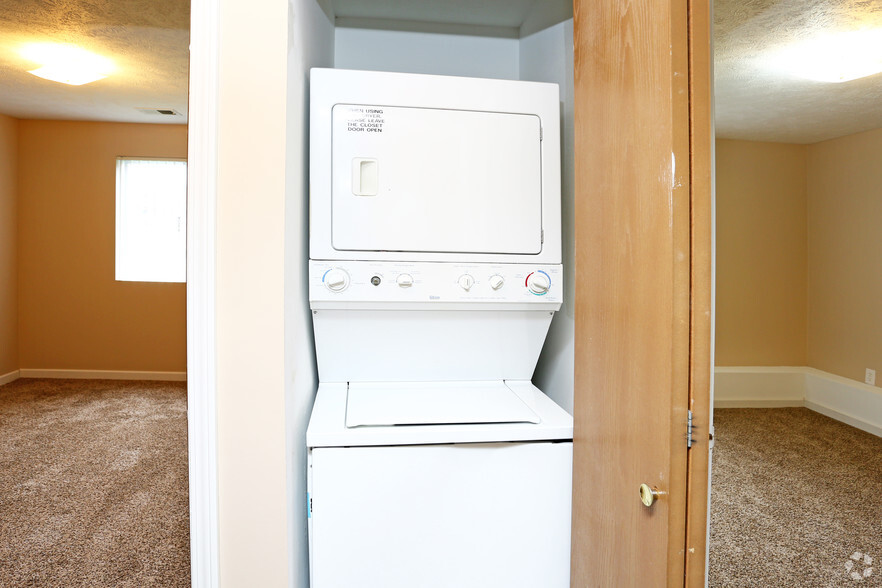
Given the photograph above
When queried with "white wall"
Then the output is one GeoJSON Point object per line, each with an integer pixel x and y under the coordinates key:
{"type": "Point", "coordinates": [310, 44]}
{"type": "Point", "coordinates": [252, 466]}
{"type": "Point", "coordinates": [547, 56]}
{"type": "Point", "coordinates": [429, 53]}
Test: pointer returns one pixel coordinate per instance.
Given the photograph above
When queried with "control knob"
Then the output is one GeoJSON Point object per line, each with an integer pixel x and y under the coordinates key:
{"type": "Point", "coordinates": [538, 283]}
{"type": "Point", "coordinates": [496, 281]}
{"type": "Point", "coordinates": [405, 280]}
{"type": "Point", "coordinates": [466, 282]}
{"type": "Point", "coordinates": [336, 280]}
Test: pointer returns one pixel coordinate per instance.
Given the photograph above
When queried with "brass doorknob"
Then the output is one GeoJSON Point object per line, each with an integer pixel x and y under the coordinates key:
{"type": "Point", "coordinates": [649, 495]}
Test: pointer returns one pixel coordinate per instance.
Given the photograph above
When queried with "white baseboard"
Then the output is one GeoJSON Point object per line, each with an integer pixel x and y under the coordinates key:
{"type": "Point", "coordinates": [759, 387]}
{"type": "Point", "coordinates": [10, 377]}
{"type": "Point", "coordinates": [846, 400]}
{"type": "Point", "coordinates": [104, 375]}
{"type": "Point", "coordinates": [849, 401]}
{"type": "Point", "coordinates": [758, 403]}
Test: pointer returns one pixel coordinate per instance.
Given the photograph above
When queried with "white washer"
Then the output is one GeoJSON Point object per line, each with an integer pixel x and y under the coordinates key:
{"type": "Point", "coordinates": [434, 275]}
{"type": "Point", "coordinates": [440, 505]}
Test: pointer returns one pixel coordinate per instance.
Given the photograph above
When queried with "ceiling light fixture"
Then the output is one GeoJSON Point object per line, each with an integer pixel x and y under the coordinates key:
{"type": "Point", "coordinates": [67, 64]}
{"type": "Point", "coordinates": [836, 57]}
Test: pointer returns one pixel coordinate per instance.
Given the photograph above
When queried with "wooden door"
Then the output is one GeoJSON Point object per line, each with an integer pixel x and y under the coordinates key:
{"type": "Point", "coordinates": [643, 284]}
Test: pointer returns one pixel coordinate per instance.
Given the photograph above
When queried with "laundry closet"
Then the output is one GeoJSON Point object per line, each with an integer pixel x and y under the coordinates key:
{"type": "Point", "coordinates": [517, 40]}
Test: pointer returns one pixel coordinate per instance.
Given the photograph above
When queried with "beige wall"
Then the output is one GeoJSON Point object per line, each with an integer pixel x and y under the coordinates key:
{"type": "Point", "coordinates": [8, 245]}
{"type": "Point", "coordinates": [72, 312]}
{"type": "Point", "coordinates": [845, 255]}
{"type": "Point", "coordinates": [761, 254]}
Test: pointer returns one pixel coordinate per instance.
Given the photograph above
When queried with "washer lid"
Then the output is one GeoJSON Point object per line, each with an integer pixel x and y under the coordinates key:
{"type": "Point", "coordinates": [327, 425]}
{"type": "Point", "coordinates": [434, 403]}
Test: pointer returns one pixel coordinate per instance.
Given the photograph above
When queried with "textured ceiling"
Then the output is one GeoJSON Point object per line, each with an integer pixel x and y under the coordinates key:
{"type": "Point", "coordinates": [756, 103]}
{"type": "Point", "coordinates": [146, 39]}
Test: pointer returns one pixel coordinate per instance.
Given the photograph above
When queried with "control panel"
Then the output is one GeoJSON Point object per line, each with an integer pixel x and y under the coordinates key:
{"type": "Point", "coordinates": [380, 281]}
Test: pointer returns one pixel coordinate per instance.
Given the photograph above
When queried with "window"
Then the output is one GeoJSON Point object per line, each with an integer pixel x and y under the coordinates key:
{"type": "Point", "coordinates": [151, 220]}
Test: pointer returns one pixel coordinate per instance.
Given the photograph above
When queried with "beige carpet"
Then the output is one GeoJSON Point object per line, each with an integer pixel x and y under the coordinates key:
{"type": "Point", "coordinates": [93, 484]}
{"type": "Point", "coordinates": [796, 501]}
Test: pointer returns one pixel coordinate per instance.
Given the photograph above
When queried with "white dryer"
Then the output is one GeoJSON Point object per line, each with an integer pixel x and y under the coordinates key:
{"type": "Point", "coordinates": [433, 277]}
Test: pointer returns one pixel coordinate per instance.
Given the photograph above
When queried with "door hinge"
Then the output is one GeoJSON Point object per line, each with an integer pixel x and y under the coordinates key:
{"type": "Point", "coordinates": [689, 429]}
{"type": "Point", "coordinates": [541, 134]}
{"type": "Point", "coordinates": [542, 237]}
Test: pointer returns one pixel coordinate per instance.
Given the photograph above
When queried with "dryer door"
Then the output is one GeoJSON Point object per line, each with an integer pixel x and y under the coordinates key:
{"type": "Point", "coordinates": [433, 180]}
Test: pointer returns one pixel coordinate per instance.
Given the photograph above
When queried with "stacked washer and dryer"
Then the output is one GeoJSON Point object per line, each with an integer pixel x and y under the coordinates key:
{"type": "Point", "coordinates": [434, 274]}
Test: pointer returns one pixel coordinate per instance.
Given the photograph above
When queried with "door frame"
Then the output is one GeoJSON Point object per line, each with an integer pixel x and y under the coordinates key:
{"type": "Point", "coordinates": [701, 293]}
{"type": "Point", "coordinates": [201, 281]}
{"type": "Point", "coordinates": [201, 361]}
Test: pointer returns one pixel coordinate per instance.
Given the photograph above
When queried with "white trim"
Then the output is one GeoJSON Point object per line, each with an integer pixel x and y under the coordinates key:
{"type": "Point", "coordinates": [759, 369]}
{"type": "Point", "coordinates": [103, 375]}
{"type": "Point", "coordinates": [201, 353]}
{"type": "Point", "coordinates": [843, 399]}
{"type": "Point", "coordinates": [10, 377]}
{"type": "Point", "coordinates": [758, 387]}
{"type": "Point", "coordinates": [758, 403]}
{"type": "Point", "coordinates": [846, 400]}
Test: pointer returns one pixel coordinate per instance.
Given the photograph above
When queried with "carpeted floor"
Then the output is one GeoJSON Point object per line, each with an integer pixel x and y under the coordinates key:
{"type": "Point", "coordinates": [796, 501]}
{"type": "Point", "coordinates": [93, 484]}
